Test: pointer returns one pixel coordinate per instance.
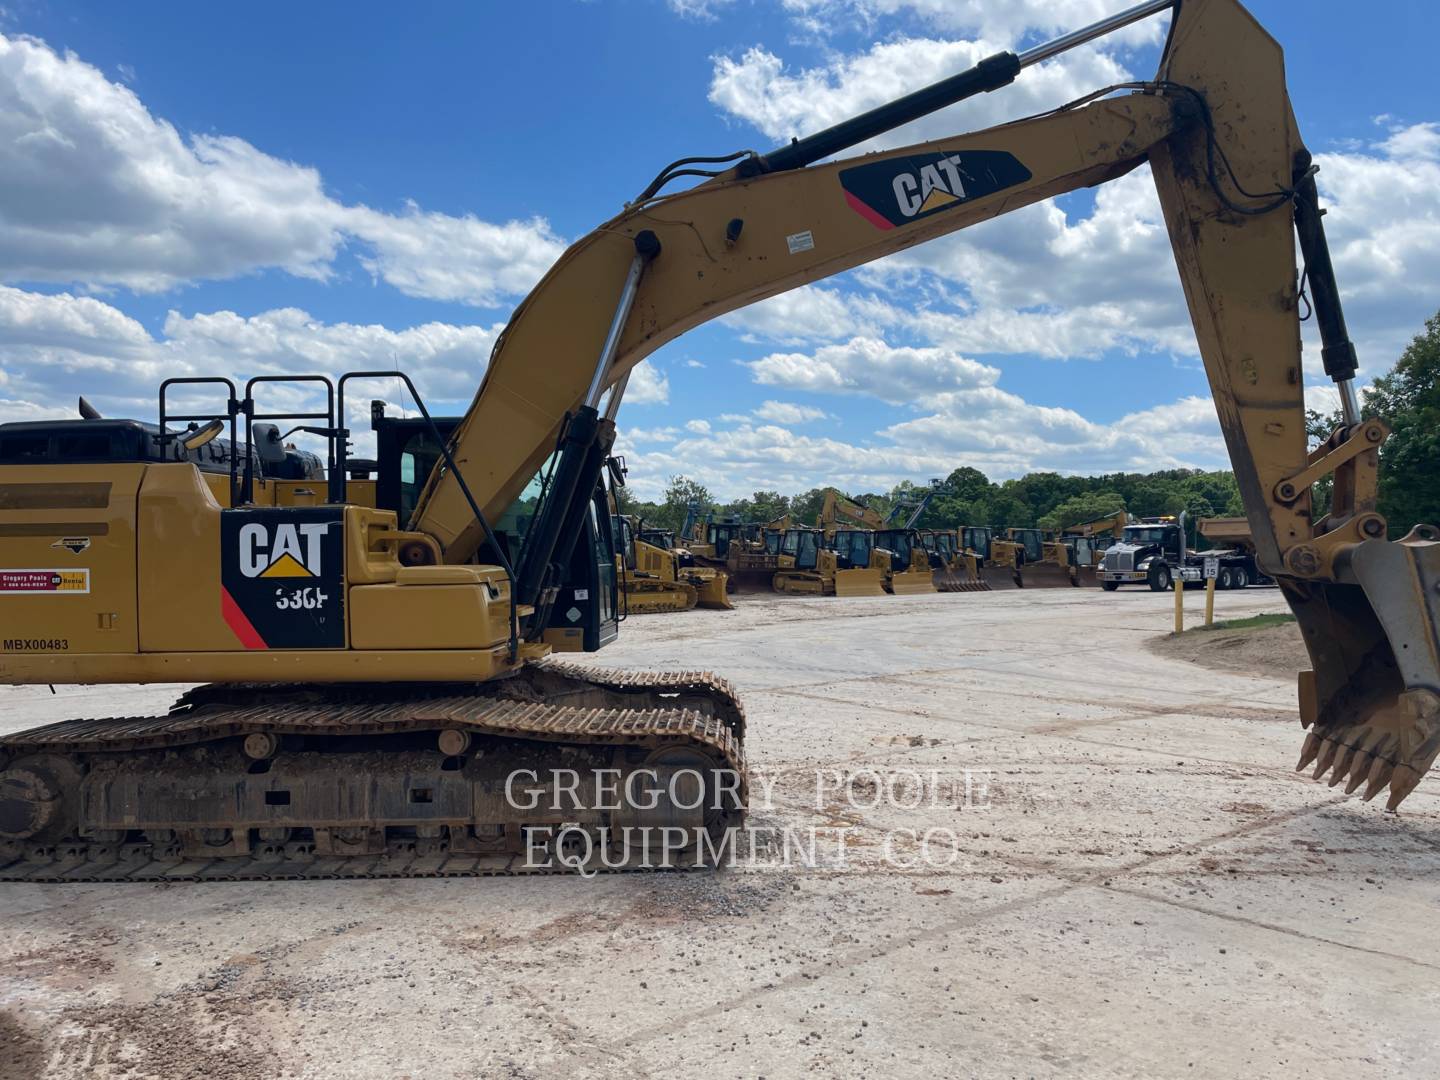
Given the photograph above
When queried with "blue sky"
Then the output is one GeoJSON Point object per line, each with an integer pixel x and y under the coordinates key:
{"type": "Point", "coordinates": [201, 188]}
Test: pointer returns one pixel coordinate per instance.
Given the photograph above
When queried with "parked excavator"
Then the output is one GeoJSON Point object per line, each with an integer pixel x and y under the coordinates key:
{"type": "Point", "coordinates": [376, 686]}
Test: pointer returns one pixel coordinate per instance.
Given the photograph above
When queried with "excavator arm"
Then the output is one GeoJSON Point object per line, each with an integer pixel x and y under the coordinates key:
{"type": "Point", "coordinates": [1236, 185]}
{"type": "Point", "coordinates": [837, 510]}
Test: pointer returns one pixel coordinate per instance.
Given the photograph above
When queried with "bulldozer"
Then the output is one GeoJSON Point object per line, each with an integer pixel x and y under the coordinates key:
{"type": "Point", "coordinates": [379, 693]}
{"type": "Point", "coordinates": [953, 567]}
{"type": "Point", "coordinates": [1040, 561]}
{"type": "Point", "coordinates": [1086, 541]}
{"type": "Point", "coordinates": [908, 570]}
{"type": "Point", "coordinates": [655, 576]}
{"type": "Point", "coordinates": [998, 561]}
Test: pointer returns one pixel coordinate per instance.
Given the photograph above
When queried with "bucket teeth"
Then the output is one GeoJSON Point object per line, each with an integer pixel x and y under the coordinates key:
{"type": "Point", "coordinates": [1328, 749]}
{"type": "Point", "coordinates": [1359, 771]}
{"type": "Point", "coordinates": [1343, 763]}
{"type": "Point", "coordinates": [1401, 784]}
{"type": "Point", "coordinates": [1380, 774]}
{"type": "Point", "coordinates": [1309, 751]}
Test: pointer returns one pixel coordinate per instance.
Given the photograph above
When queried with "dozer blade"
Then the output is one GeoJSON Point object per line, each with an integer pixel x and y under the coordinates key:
{"type": "Point", "coordinates": [911, 583]}
{"type": "Point", "coordinates": [957, 581]}
{"type": "Point", "coordinates": [1000, 577]}
{"type": "Point", "coordinates": [750, 579]}
{"type": "Point", "coordinates": [859, 583]}
{"type": "Point", "coordinates": [1089, 577]}
{"type": "Point", "coordinates": [713, 592]}
{"type": "Point", "coordinates": [1372, 702]}
{"type": "Point", "coordinates": [1045, 576]}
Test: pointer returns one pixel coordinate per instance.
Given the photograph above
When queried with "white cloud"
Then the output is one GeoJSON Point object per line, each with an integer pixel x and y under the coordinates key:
{"type": "Point", "coordinates": [101, 193]}
{"type": "Point", "coordinates": [59, 346]}
{"type": "Point", "coordinates": [647, 386]}
{"type": "Point", "coordinates": [1000, 20]}
{"type": "Point", "coordinates": [786, 412]}
{"type": "Point", "coordinates": [698, 427]}
{"type": "Point", "coordinates": [758, 88]}
{"type": "Point", "coordinates": [703, 10]}
{"type": "Point", "coordinates": [894, 374]}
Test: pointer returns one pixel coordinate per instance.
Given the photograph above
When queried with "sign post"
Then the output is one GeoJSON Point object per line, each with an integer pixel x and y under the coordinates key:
{"type": "Point", "coordinates": [1212, 571]}
{"type": "Point", "coordinates": [1178, 581]}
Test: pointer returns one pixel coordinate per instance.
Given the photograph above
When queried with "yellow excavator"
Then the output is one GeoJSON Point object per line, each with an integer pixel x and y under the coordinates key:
{"type": "Point", "coordinates": [380, 697]}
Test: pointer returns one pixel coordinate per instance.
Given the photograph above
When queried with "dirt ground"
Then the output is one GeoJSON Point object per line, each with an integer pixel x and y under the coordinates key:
{"type": "Point", "coordinates": [1135, 885]}
{"type": "Point", "coordinates": [1257, 650]}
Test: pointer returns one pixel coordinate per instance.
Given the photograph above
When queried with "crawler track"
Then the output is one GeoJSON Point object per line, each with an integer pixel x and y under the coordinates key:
{"type": "Point", "coordinates": [265, 782]}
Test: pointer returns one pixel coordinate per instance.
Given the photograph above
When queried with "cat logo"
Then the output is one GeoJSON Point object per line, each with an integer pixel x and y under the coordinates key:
{"type": "Point", "coordinates": [939, 184]}
{"type": "Point", "coordinates": [904, 189]}
{"type": "Point", "coordinates": [283, 550]}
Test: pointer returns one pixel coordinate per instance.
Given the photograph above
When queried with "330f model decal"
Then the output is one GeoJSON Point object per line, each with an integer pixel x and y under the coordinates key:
{"type": "Point", "coordinates": [904, 189]}
{"type": "Point", "coordinates": [282, 583]}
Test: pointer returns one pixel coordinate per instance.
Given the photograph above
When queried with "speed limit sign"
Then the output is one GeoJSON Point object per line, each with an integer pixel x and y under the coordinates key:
{"type": "Point", "coordinates": [1212, 569]}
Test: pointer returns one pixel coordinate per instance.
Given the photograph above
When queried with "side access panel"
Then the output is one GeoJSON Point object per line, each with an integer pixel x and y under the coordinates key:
{"type": "Point", "coordinates": [67, 559]}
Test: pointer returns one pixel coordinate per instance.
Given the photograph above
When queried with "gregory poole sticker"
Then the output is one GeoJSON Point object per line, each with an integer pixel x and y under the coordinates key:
{"type": "Point", "coordinates": [44, 581]}
{"type": "Point", "coordinates": [904, 189]}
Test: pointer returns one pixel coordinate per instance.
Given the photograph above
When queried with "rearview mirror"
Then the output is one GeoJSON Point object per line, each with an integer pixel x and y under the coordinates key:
{"type": "Point", "coordinates": [196, 439]}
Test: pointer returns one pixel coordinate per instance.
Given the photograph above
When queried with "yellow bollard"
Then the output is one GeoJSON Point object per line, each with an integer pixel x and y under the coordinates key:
{"type": "Point", "coordinates": [1179, 605]}
{"type": "Point", "coordinates": [1210, 601]}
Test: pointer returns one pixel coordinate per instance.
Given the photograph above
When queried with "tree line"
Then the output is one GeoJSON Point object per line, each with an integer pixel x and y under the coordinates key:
{"type": "Point", "coordinates": [1407, 399]}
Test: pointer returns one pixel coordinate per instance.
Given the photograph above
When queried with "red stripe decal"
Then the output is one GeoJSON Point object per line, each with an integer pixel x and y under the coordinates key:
{"type": "Point", "coordinates": [237, 622]}
{"type": "Point", "coordinates": [867, 213]}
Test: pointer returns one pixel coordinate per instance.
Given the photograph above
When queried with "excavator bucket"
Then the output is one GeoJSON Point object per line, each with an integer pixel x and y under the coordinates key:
{"type": "Point", "coordinates": [912, 583]}
{"type": "Point", "coordinates": [712, 591]}
{"type": "Point", "coordinates": [1089, 578]}
{"type": "Point", "coordinates": [867, 582]}
{"type": "Point", "coordinates": [1372, 704]}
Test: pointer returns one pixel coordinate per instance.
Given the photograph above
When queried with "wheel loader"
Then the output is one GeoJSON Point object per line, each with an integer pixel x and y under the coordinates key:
{"type": "Point", "coordinates": [379, 696]}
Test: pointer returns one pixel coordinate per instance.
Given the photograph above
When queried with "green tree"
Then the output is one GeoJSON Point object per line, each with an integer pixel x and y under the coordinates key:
{"type": "Point", "coordinates": [1081, 508]}
{"type": "Point", "coordinates": [680, 492]}
{"type": "Point", "coordinates": [1408, 400]}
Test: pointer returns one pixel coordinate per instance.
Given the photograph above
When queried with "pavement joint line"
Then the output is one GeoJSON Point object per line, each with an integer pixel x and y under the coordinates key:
{"type": "Point", "coordinates": [1258, 924]}
{"type": "Point", "coordinates": [1090, 880]}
